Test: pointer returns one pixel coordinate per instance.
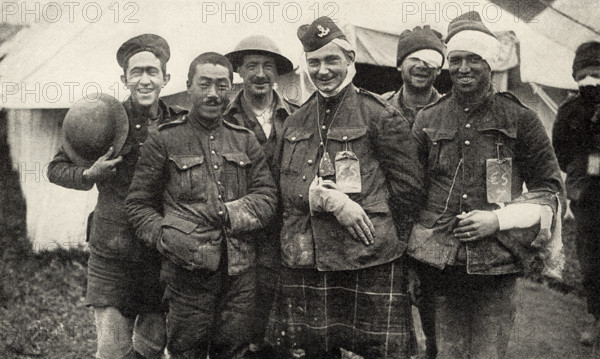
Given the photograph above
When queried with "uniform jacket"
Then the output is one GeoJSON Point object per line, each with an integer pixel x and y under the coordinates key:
{"type": "Point", "coordinates": [364, 123]}
{"type": "Point", "coordinates": [454, 142]}
{"type": "Point", "coordinates": [575, 137]}
{"type": "Point", "coordinates": [216, 189]}
{"type": "Point", "coordinates": [268, 246]}
{"type": "Point", "coordinates": [395, 99]}
{"type": "Point", "coordinates": [110, 234]}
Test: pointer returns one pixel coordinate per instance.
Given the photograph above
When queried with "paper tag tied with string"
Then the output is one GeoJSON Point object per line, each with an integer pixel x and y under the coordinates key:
{"type": "Point", "coordinates": [499, 180]}
{"type": "Point", "coordinates": [347, 175]}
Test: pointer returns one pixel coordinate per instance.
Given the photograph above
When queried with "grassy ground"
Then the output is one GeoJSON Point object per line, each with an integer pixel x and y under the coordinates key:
{"type": "Point", "coordinates": [42, 312]}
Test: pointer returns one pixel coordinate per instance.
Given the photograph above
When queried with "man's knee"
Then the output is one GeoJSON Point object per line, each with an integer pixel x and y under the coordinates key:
{"type": "Point", "coordinates": [114, 333]}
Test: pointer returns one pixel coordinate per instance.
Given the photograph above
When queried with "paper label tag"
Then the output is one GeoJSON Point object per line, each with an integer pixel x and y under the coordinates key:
{"type": "Point", "coordinates": [347, 173]}
{"type": "Point", "coordinates": [593, 164]}
{"type": "Point", "coordinates": [499, 180]}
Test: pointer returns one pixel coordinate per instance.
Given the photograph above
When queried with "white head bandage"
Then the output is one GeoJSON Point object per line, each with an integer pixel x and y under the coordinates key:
{"type": "Point", "coordinates": [431, 57]}
{"type": "Point", "coordinates": [589, 81]}
{"type": "Point", "coordinates": [477, 42]}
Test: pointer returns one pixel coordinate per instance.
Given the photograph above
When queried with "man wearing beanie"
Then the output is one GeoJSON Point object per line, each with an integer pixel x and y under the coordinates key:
{"type": "Point", "coordinates": [419, 61]}
{"type": "Point", "coordinates": [576, 140]}
{"type": "Point", "coordinates": [478, 148]}
{"type": "Point", "coordinates": [345, 158]}
{"type": "Point", "coordinates": [123, 272]}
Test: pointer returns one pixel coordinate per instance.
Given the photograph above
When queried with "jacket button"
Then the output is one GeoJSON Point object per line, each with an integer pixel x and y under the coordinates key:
{"type": "Point", "coordinates": [464, 196]}
{"type": "Point", "coordinates": [435, 143]}
{"type": "Point", "coordinates": [141, 143]}
{"type": "Point", "coordinates": [310, 162]}
{"type": "Point", "coordinates": [138, 126]}
{"type": "Point", "coordinates": [184, 167]}
{"type": "Point", "coordinates": [220, 213]}
{"type": "Point", "coordinates": [328, 111]}
{"type": "Point", "coordinates": [323, 127]}
{"type": "Point", "coordinates": [216, 167]}
{"type": "Point", "coordinates": [468, 125]}
{"type": "Point", "coordinates": [241, 163]}
{"type": "Point", "coordinates": [293, 138]}
{"type": "Point", "coordinates": [345, 138]}
{"type": "Point", "coordinates": [219, 183]}
{"type": "Point", "coordinates": [212, 137]}
{"type": "Point", "coordinates": [304, 178]}
{"type": "Point", "coordinates": [213, 152]}
{"type": "Point", "coordinates": [219, 197]}
{"type": "Point", "coordinates": [300, 195]}
{"type": "Point", "coordinates": [467, 142]}
{"type": "Point", "coordinates": [466, 109]}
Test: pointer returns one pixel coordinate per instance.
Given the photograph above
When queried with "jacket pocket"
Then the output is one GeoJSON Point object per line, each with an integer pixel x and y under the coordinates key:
{"type": "Point", "coordinates": [497, 141]}
{"type": "Point", "coordinates": [235, 169]}
{"type": "Point", "coordinates": [188, 178]}
{"type": "Point", "coordinates": [295, 150]}
{"type": "Point", "coordinates": [439, 157]}
{"type": "Point", "coordinates": [190, 245]}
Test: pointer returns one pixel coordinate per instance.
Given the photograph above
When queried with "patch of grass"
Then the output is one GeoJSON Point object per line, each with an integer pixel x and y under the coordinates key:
{"type": "Point", "coordinates": [42, 313]}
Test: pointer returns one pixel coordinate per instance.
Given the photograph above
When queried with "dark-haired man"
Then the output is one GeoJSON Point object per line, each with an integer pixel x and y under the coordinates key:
{"type": "Point", "coordinates": [213, 182]}
{"type": "Point", "coordinates": [123, 273]}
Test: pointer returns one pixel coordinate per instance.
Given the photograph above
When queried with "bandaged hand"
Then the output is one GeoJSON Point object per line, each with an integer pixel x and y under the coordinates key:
{"type": "Point", "coordinates": [103, 168]}
{"type": "Point", "coordinates": [323, 196]}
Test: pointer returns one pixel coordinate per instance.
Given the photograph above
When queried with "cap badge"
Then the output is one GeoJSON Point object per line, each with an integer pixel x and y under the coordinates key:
{"type": "Point", "coordinates": [322, 31]}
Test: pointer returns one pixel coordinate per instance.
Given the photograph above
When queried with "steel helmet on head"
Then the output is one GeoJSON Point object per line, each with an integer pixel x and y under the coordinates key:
{"type": "Point", "coordinates": [257, 44]}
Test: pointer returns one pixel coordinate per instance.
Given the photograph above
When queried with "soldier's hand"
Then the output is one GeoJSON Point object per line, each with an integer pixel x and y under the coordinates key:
{"type": "Point", "coordinates": [105, 167]}
{"type": "Point", "coordinates": [352, 216]}
{"type": "Point", "coordinates": [476, 225]}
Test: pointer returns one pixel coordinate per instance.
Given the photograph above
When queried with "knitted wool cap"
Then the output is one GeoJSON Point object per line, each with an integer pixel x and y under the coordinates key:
{"type": "Point", "coordinates": [419, 39]}
{"type": "Point", "coordinates": [586, 55]}
{"type": "Point", "coordinates": [468, 21]}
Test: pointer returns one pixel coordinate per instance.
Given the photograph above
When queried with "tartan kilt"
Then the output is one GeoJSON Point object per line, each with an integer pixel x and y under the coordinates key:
{"type": "Point", "coordinates": [365, 311]}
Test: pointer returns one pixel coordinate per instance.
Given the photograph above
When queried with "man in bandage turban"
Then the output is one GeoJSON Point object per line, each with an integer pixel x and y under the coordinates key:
{"type": "Point", "coordinates": [477, 228]}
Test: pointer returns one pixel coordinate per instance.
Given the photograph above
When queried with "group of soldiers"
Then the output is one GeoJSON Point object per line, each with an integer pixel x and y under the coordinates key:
{"type": "Point", "coordinates": [254, 228]}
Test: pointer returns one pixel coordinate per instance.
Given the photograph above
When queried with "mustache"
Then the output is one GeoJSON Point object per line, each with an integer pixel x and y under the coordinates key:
{"type": "Point", "coordinates": [260, 81]}
{"type": "Point", "coordinates": [213, 102]}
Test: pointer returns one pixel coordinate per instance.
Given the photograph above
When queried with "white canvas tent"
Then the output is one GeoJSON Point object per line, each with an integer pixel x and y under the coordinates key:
{"type": "Point", "coordinates": [50, 65]}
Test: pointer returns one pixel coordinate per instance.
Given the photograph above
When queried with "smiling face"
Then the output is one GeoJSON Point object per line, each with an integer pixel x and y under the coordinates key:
{"type": "Point", "coordinates": [208, 90]}
{"type": "Point", "coordinates": [144, 78]}
{"type": "Point", "coordinates": [328, 66]}
{"type": "Point", "coordinates": [259, 73]}
{"type": "Point", "coordinates": [470, 74]}
{"type": "Point", "coordinates": [417, 76]}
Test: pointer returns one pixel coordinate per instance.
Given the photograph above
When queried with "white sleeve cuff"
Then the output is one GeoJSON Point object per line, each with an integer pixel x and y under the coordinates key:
{"type": "Point", "coordinates": [519, 215]}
